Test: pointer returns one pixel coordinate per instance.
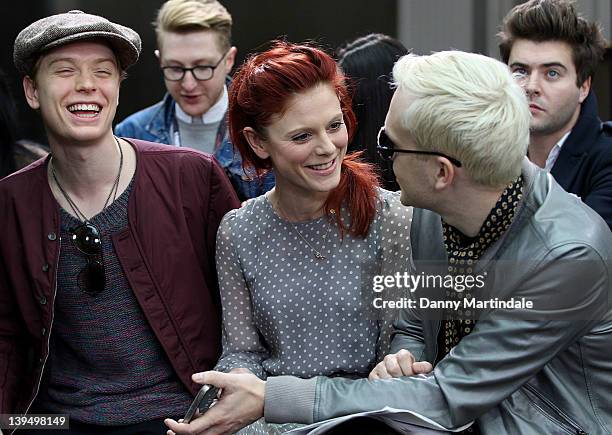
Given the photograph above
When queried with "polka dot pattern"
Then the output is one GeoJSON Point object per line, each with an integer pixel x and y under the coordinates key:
{"type": "Point", "coordinates": [287, 313]}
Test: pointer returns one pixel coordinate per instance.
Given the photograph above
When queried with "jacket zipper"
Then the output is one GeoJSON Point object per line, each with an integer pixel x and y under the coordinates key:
{"type": "Point", "coordinates": [564, 420]}
{"type": "Point", "coordinates": [48, 333]}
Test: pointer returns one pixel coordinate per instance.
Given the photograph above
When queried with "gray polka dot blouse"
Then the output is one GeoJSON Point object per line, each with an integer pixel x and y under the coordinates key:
{"type": "Point", "coordinates": [285, 312]}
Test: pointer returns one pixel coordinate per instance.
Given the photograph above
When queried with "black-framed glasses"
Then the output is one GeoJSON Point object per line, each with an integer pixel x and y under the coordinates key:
{"type": "Point", "coordinates": [199, 72]}
{"type": "Point", "coordinates": [386, 149]}
{"type": "Point", "coordinates": [86, 238]}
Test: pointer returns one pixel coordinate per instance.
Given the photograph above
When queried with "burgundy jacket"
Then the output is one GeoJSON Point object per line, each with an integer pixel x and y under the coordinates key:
{"type": "Point", "coordinates": [167, 253]}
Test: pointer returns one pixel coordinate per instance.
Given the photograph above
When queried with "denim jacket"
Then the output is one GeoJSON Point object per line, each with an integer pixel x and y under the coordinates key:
{"type": "Point", "coordinates": [155, 123]}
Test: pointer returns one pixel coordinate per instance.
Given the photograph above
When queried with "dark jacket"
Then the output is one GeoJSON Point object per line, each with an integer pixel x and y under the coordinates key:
{"type": "Point", "coordinates": [168, 255]}
{"type": "Point", "coordinates": [584, 165]}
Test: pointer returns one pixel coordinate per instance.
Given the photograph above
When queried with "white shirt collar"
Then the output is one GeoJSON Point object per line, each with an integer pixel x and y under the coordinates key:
{"type": "Point", "coordinates": [554, 153]}
{"type": "Point", "coordinates": [212, 115]}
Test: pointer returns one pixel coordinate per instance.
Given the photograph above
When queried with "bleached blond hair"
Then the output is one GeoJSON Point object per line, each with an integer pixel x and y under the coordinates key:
{"type": "Point", "coordinates": [467, 106]}
{"type": "Point", "coordinates": [193, 15]}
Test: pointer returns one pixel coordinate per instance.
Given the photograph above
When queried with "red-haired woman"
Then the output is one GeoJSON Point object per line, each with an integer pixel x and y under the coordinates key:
{"type": "Point", "coordinates": [295, 266]}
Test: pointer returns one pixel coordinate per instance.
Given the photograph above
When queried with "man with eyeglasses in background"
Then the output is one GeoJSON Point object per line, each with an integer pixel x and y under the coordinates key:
{"type": "Point", "coordinates": [195, 55]}
{"type": "Point", "coordinates": [109, 299]}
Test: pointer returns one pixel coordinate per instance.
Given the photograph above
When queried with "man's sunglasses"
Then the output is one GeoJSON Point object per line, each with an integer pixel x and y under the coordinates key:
{"type": "Point", "coordinates": [386, 149]}
{"type": "Point", "coordinates": [86, 238]}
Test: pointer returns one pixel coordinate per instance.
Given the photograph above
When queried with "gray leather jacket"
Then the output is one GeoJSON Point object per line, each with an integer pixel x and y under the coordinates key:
{"type": "Point", "coordinates": [542, 371]}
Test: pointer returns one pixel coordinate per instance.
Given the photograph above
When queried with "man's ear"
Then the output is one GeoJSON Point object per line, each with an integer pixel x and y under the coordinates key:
{"type": "Point", "coordinates": [230, 59]}
{"type": "Point", "coordinates": [445, 173]}
{"type": "Point", "coordinates": [30, 91]}
{"type": "Point", "coordinates": [584, 89]}
{"type": "Point", "coordinates": [256, 142]}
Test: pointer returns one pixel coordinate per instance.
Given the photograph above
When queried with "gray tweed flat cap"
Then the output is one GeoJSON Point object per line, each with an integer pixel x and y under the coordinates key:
{"type": "Point", "coordinates": [61, 29]}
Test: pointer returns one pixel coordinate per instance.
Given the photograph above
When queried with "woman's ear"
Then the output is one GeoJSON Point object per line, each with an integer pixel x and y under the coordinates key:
{"type": "Point", "coordinates": [257, 143]}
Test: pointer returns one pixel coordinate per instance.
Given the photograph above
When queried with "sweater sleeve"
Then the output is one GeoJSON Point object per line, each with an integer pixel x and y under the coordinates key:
{"type": "Point", "coordinates": [242, 346]}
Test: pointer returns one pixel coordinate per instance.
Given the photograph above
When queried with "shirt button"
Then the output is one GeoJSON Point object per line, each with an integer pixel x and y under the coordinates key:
{"type": "Point", "coordinates": [52, 236]}
{"type": "Point", "coordinates": [43, 300]}
{"type": "Point", "coordinates": [45, 268]}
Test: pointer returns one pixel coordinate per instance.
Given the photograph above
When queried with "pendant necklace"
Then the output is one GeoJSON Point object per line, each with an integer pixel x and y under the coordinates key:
{"type": "Point", "coordinates": [317, 254]}
{"type": "Point", "coordinates": [113, 192]}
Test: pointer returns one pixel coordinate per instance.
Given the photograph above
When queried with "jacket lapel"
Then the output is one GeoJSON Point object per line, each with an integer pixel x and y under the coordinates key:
{"type": "Point", "coordinates": [576, 147]}
{"type": "Point", "coordinates": [429, 255]}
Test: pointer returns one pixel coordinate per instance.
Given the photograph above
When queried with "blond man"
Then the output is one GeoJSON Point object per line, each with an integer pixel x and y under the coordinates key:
{"type": "Point", "coordinates": [195, 55]}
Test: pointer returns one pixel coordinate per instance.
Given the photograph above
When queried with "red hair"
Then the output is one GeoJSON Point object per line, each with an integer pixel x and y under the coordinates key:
{"type": "Point", "coordinates": [261, 88]}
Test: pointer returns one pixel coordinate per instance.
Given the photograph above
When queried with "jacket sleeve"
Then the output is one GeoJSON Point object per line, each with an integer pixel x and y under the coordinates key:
{"type": "Point", "coordinates": [242, 346]}
{"type": "Point", "coordinates": [487, 366]}
{"type": "Point", "coordinates": [599, 197]}
{"type": "Point", "coordinates": [249, 186]}
{"type": "Point", "coordinates": [408, 334]}
{"type": "Point", "coordinates": [222, 199]}
{"type": "Point", "coordinates": [12, 363]}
